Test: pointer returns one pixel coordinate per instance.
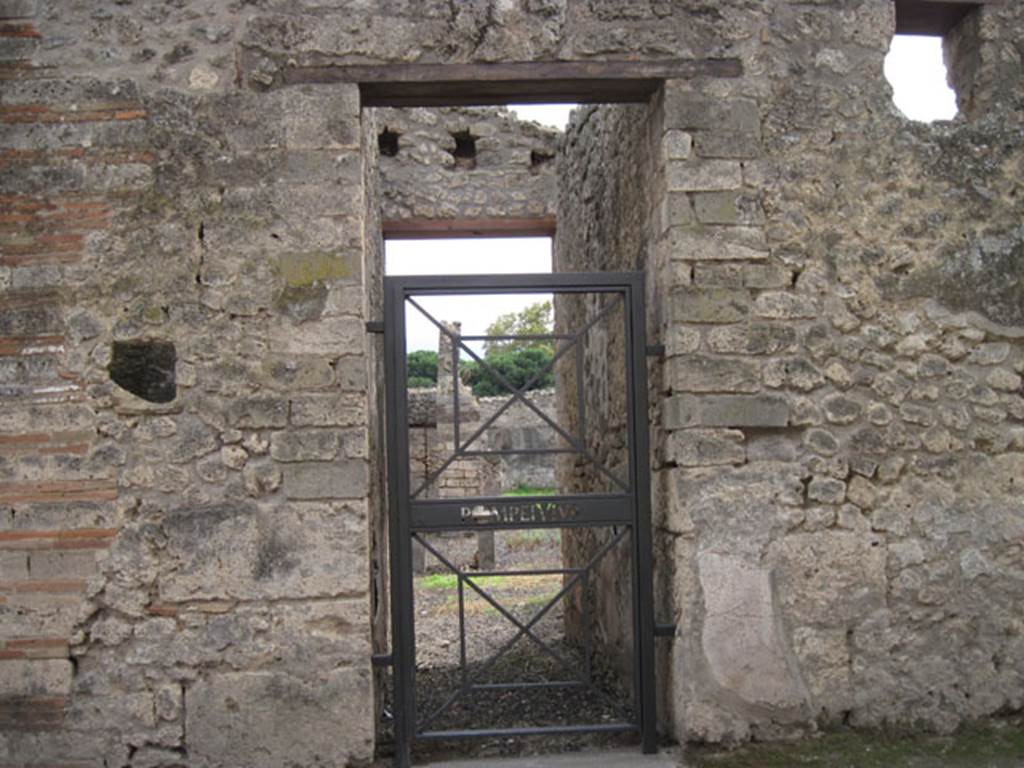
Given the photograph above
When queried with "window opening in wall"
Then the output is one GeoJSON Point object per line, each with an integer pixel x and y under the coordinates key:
{"type": "Point", "coordinates": [387, 143]}
{"type": "Point", "coordinates": [465, 150]}
{"type": "Point", "coordinates": [553, 115]}
{"type": "Point", "coordinates": [917, 73]}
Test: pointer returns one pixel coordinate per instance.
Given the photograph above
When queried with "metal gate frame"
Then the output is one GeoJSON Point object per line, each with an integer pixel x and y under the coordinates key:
{"type": "Point", "coordinates": [631, 509]}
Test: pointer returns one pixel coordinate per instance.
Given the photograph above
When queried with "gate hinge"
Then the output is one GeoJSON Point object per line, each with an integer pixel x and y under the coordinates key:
{"type": "Point", "coordinates": [382, 659]}
{"type": "Point", "coordinates": [655, 350]}
{"type": "Point", "coordinates": [375, 326]}
{"type": "Point", "coordinates": [664, 630]}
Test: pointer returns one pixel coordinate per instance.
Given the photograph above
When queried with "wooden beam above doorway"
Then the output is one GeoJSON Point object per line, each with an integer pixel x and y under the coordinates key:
{"type": "Point", "coordinates": [504, 226]}
{"type": "Point", "coordinates": [578, 82]}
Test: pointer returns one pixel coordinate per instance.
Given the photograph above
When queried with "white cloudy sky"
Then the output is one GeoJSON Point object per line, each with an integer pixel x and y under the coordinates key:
{"type": "Point", "coordinates": [913, 67]}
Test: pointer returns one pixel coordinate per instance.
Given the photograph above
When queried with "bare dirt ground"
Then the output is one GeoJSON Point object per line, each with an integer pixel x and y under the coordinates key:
{"type": "Point", "coordinates": [487, 630]}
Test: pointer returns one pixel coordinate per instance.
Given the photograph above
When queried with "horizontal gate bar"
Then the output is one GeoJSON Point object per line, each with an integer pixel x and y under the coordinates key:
{"type": "Point", "coordinates": [527, 686]}
{"type": "Point", "coordinates": [539, 731]}
{"type": "Point", "coordinates": [507, 512]}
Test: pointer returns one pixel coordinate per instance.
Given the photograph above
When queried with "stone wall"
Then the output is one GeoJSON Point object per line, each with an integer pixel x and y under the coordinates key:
{"type": "Point", "coordinates": [841, 431]}
{"type": "Point", "coordinates": [609, 199]}
{"type": "Point", "coordinates": [519, 428]}
{"type": "Point", "coordinates": [511, 172]}
{"type": "Point", "coordinates": [838, 292]}
{"type": "Point", "coordinates": [185, 420]}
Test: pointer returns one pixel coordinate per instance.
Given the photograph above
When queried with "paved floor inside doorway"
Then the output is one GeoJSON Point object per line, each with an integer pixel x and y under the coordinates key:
{"type": "Point", "coordinates": [608, 759]}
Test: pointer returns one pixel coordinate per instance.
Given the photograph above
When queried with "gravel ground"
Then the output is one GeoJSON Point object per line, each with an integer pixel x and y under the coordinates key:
{"type": "Point", "coordinates": [439, 673]}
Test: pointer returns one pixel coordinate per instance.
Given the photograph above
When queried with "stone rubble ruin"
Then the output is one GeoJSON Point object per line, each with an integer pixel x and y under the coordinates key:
{"type": "Point", "coordinates": [192, 210]}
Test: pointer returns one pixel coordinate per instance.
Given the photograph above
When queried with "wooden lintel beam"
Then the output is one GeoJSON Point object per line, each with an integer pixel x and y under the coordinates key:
{"type": "Point", "coordinates": [406, 85]}
{"type": "Point", "coordinates": [505, 226]}
{"type": "Point", "coordinates": [933, 17]}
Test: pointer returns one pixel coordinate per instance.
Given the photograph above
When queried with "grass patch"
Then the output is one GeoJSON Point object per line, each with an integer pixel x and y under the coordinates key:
{"type": "Point", "coordinates": [443, 581]}
{"type": "Point", "coordinates": [528, 490]}
{"type": "Point", "coordinates": [528, 539]}
{"type": "Point", "coordinates": [992, 744]}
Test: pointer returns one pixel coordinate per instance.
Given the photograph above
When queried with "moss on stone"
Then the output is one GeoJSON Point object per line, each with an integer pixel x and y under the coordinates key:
{"type": "Point", "coordinates": [306, 269]}
{"type": "Point", "coordinates": [995, 743]}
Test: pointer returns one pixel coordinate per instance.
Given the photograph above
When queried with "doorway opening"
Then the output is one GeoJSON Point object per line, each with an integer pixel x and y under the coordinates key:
{"type": "Point", "coordinates": [521, 625]}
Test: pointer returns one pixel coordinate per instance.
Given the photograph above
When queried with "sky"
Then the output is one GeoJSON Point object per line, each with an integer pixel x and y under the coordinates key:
{"type": "Point", "coordinates": [913, 67]}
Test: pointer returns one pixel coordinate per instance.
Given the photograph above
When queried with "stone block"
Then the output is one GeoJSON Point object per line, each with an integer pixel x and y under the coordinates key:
{"type": "Point", "coordinates": [330, 337]}
{"type": "Point", "coordinates": [692, 110]}
{"type": "Point", "coordinates": [829, 578]}
{"type": "Point", "coordinates": [63, 564]}
{"type": "Point", "coordinates": [678, 145]}
{"type": "Point", "coordinates": [782, 305]}
{"type": "Point", "coordinates": [677, 210]}
{"type": "Point", "coordinates": [703, 373]}
{"type": "Point", "coordinates": [706, 447]}
{"type": "Point", "coordinates": [681, 411]}
{"type": "Point", "coordinates": [704, 175]}
{"type": "Point", "coordinates": [258, 412]}
{"type": "Point", "coordinates": [992, 353]}
{"type": "Point", "coordinates": [329, 410]}
{"type": "Point", "coordinates": [733, 207]}
{"type": "Point", "coordinates": [271, 719]}
{"type": "Point", "coordinates": [738, 510]}
{"type": "Point", "coordinates": [753, 339]}
{"type": "Point", "coordinates": [742, 635]}
{"type": "Point", "coordinates": [766, 276]}
{"type": "Point", "coordinates": [238, 551]}
{"type": "Point", "coordinates": [826, 490]}
{"type": "Point", "coordinates": [13, 566]}
{"type": "Point", "coordinates": [711, 244]}
{"type": "Point", "coordinates": [343, 479]}
{"type": "Point", "coordinates": [17, 9]}
{"type": "Point", "coordinates": [305, 445]}
{"type": "Point", "coordinates": [41, 677]}
{"type": "Point", "coordinates": [842, 409]}
{"type": "Point", "coordinates": [709, 305]}
{"type": "Point", "coordinates": [730, 145]}
{"type": "Point", "coordinates": [322, 117]}
{"type": "Point", "coordinates": [728, 274]}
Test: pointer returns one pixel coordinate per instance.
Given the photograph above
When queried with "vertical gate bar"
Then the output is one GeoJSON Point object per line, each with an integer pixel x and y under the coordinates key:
{"type": "Point", "coordinates": [462, 634]}
{"type": "Point", "coordinates": [455, 395]}
{"type": "Point", "coordinates": [643, 568]}
{"type": "Point", "coordinates": [581, 405]}
{"type": "Point", "coordinates": [588, 640]}
{"type": "Point", "coordinates": [399, 539]}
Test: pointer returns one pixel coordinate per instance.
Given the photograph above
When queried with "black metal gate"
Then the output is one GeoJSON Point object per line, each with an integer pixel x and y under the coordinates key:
{"type": "Point", "coordinates": [614, 516]}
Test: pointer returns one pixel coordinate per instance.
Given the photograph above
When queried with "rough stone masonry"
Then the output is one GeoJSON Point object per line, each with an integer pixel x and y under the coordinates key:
{"type": "Point", "coordinates": [190, 246]}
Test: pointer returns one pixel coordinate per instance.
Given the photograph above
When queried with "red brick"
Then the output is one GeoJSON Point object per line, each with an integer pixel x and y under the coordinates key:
{"type": "Point", "coordinates": [19, 30]}
{"type": "Point", "coordinates": [44, 113]}
{"type": "Point", "coordinates": [59, 490]}
{"type": "Point", "coordinates": [80, 538]}
{"type": "Point", "coordinates": [50, 587]}
{"type": "Point", "coordinates": [30, 345]}
{"type": "Point", "coordinates": [32, 712]}
{"type": "Point", "coordinates": [38, 647]}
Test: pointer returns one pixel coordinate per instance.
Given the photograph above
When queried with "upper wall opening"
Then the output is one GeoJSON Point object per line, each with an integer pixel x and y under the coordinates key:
{"type": "Point", "coordinates": [917, 73]}
{"type": "Point", "coordinates": [924, 28]}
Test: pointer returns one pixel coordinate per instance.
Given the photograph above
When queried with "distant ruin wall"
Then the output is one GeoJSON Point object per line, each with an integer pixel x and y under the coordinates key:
{"type": "Point", "coordinates": [518, 427]}
{"type": "Point", "coordinates": [465, 163]}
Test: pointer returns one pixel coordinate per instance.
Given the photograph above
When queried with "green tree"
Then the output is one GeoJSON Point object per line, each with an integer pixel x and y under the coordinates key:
{"type": "Point", "coordinates": [517, 366]}
{"type": "Point", "coordinates": [534, 320]}
{"type": "Point", "coordinates": [421, 368]}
